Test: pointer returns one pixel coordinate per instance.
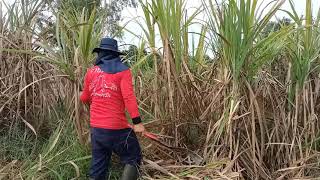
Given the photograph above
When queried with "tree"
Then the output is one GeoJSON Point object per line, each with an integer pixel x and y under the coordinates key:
{"type": "Point", "coordinates": [274, 26]}
{"type": "Point", "coordinates": [112, 8]}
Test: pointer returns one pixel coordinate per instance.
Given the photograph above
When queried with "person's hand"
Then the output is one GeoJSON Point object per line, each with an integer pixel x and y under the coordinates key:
{"type": "Point", "coordinates": [139, 128]}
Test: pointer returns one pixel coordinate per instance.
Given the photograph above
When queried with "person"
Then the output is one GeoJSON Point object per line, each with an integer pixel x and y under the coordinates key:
{"type": "Point", "coordinates": [109, 91]}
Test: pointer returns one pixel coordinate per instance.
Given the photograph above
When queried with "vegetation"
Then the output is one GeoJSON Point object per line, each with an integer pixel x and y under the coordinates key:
{"type": "Point", "coordinates": [249, 111]}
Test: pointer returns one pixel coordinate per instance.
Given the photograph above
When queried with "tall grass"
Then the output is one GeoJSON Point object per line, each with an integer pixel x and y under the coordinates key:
{"type": "Point", "coordinates": [77, 33]}
{"type": "Point", "coordinates": [31, 86]}
{"type": "Point", "coordinates": [303, 48]}
{"type": "Point", "coordinates": [231, 112]}
{"type": "Point", "coordinates": [55, 155]}
{"type": "Point", "coordinates": [245, 116]}
{"type": "Point", "coordinates": [244, 53]}
{"type": "Point", "coordinates": [237, 27]}
{"type": "Point", "coordinates": [26, 84]}
{"type": "Point", "coordinates": [173, 23]}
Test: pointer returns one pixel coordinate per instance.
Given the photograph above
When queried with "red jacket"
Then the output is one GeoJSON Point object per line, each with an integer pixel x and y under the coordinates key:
{"type": "Point", "coordinates": [109, 95]}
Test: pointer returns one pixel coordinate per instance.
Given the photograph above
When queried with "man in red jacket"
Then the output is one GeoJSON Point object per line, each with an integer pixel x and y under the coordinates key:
{"type": "Point", "coordinates": [109, 91]}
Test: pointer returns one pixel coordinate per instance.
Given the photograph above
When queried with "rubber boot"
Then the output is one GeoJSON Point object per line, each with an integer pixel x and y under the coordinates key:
{"type": "Point", "coordinates": [130, 172]}
{"type": "Point", "coordinates": [100, 178]}
{"type": "Point", "coordinates": [96, 179]}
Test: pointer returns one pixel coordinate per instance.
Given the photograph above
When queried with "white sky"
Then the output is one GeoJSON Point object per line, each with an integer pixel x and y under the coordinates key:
{"type": "Point", "coordinates": [133, 13]}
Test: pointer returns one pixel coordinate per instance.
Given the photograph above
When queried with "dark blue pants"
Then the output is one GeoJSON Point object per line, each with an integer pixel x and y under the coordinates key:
{"type": "Point", "coordinates": [122, 142]}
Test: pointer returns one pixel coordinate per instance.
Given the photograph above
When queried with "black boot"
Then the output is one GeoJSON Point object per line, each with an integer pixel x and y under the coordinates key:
{"type": "Point", "coordinates": [130, 172]}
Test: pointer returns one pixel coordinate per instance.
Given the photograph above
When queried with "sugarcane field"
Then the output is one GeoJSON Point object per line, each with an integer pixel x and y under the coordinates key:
{"type": "Point", "coordinates": [160, 89]}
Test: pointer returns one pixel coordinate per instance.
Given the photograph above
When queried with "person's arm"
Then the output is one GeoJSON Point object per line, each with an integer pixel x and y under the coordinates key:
{"type": "Point", "coordinates": [130, 100]}
{"type": "Point", "coordinates": [85, 94]}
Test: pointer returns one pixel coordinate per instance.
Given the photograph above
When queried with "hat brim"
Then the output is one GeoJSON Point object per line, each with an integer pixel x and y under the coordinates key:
{"type": "Point", "coordinates": [96, 50]}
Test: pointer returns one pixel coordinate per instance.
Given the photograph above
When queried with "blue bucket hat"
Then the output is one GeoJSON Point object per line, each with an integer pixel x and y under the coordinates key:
{"type": "Point", "coordinates": [108, 44]}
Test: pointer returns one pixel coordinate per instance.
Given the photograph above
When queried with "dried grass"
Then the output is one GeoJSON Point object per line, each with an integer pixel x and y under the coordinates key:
{"type": "Point", "coordinates": [247, 130]}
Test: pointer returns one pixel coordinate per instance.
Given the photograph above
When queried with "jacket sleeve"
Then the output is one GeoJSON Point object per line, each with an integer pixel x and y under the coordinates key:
{"type": "Point", "coordinates": [129, 97]}
{"type": "Point", "coordinates": [85, 95]}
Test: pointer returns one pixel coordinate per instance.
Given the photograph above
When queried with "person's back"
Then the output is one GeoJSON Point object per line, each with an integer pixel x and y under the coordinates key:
{"type": "Point", "coordinates": [109, 91]}
{"type": "Point", "coordinates": [110, 94]}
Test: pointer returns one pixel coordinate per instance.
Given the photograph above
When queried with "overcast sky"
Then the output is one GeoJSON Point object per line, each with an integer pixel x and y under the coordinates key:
{"type": "Point", "coordinates": [130, 13]}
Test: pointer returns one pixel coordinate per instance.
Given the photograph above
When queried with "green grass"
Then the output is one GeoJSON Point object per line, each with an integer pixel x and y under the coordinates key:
{"type": "Point", "coordinates": [237, 27]}
{"type": "Point", "coordinates": [54, 155]}
{"type": "Point", "coordinates": [303, 48]}
{"type": "Point", "coordinates": [17, 145]}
